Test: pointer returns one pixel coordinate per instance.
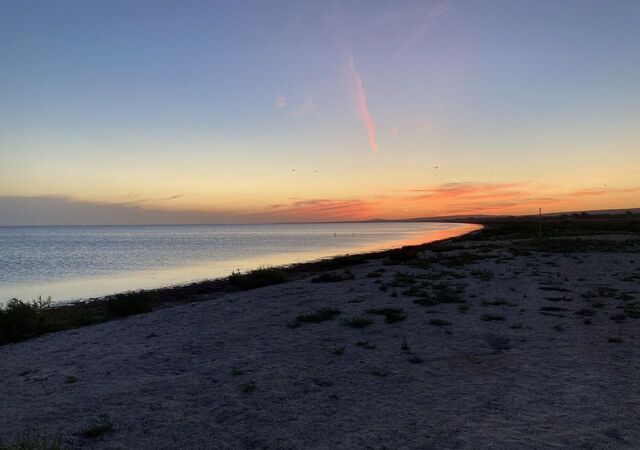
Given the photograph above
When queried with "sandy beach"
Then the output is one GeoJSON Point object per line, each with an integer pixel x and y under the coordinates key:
{"type": "Point", "coordinates": [488, 341]}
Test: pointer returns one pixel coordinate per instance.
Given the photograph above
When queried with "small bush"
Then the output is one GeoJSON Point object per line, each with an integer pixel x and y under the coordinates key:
{"type": "Point", "coordinates": [439, 322]}
{"type": "Point", "coordinates": [391, 315]}
{"type": "Point", "coordinates": [330, 277]}
{"type": "Point", "coordinates": [366, 344]}
{"type": "Point", "coordinates": [402, 279]}
{"type": "Point", "coordinates": [358, 322]}
{"type": "Point", "coordinates": [20, 320]}
{"type": "Point", "coordinates": [248, 387]}
{"type": "Point", "coordinates": [98, 428]}
{"type": "Point", "coordinates": [498, 302]}
{"type": "Point", "coordinates": [375, 274]}
{"type": "Point", "coordinates": [484, 275]}
{"type": "Point", "coordinates": [490, 317]}
{"type": "Point", "coordinates": [130, 303]}
{"type": "Point", "coordinates": [425, 302]}
{"type": "Point", "coordinates": [320, 315]}
{"type": "Point", "coordinates": [263, 276]}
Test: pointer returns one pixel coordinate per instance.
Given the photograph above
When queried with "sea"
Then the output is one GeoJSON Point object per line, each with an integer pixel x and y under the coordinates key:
{"type": "Point", "coordinates": [70, 263]}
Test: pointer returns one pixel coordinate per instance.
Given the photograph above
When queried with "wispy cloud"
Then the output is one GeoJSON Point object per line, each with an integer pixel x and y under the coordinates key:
{"type": "Point", "coordinates": [307, 107]}
{"type": "Point", "coordinates": [419, 32]}
{"type": "Point", "coordinates": [281, 101]}
{"type": "Point", "coordinates": [322, 209]}
{"type": "Point", "coordinates": [601, 191]}
{"type": "Point", "coordinates": [361, 102]}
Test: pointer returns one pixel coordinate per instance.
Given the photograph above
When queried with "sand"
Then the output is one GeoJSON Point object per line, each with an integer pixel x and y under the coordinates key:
{"type": "Point", "coordinates": [230, 373]}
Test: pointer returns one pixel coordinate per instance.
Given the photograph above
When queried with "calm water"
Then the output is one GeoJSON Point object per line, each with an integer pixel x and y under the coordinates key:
{"type": "Point", "coordinates": [79, 262]}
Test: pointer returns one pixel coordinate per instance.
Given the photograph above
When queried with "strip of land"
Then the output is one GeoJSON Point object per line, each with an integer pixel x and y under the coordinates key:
{"type": "Point", "coordinates": [498, 339]}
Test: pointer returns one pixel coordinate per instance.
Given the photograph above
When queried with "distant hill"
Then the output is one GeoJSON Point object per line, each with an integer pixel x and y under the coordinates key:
{"type": "Point", "coordinates": [489, 217]}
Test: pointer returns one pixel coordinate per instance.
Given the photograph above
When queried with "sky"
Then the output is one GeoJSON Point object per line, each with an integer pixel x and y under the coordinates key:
{"type": "Point", "coordinates": [131, 112]}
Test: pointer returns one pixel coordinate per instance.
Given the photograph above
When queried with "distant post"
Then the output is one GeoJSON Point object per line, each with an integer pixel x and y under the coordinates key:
{"type": "Point", "coordinates": [540, 223]}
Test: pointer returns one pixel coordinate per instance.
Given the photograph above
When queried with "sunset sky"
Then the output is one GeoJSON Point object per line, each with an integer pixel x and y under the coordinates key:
{"type": "Point", "coordinates": [260, 111]}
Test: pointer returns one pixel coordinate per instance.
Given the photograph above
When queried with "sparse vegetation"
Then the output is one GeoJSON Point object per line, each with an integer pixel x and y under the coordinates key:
{"type": "Point", "coordinates": [402, 279]}
{"type": "Point", "coordinates": [332, 277]}
{"type": "Point", "coordinates": [248, 387]}
{"type": "Point", "coordinates": [339, 351]}
{"type": "Point", "coordinates": [35, 440]}
{"type": "Point", "coordinates": [391, 315]}
{"type": "Point", "coordinates": [439, 322]}
{"type": "Point", "coordinates": [482, 274]}
{"type": "Point", "coordinates": [130, 303]}
{"type": "Point", "coordinates": [498, 302]}
{"type": "Point", "coordinates": [98, 428]}
{"type": "Point", "coordinates": [320, 315]}
{"type": "Point", "coordinates": [491, 317]}
{"type": "Point", "coordinates": [365, 344]}
{"type": "Point", "coordinates": [263, 276]}
{"type": "Point", "coordinates": [358, 322]}
{"type": "Point", "coordinates": [21, 320]}
{"type": "Point", "coordinates": [376, 273]}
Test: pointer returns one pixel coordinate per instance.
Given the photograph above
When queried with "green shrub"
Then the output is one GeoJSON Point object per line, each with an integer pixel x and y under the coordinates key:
{"type": "Point", "coordinates": [130, 303]}
{"type": "Point", "coordinates": [20, 320]}
{"type": "Point", "coordinates": [263, 276]}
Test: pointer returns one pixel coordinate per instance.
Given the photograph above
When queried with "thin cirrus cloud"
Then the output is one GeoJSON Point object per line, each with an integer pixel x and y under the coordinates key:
{"type": "Point", "coordinates": [419, 32]}
{"type": "Point", "coordinates": [281, 101]}
{"type": "Point", "coordinates": [361, 103]}
{"type": "Point", "coordinates": [322, 209]}
{"type": "Point", "coordinates": [307, 107]}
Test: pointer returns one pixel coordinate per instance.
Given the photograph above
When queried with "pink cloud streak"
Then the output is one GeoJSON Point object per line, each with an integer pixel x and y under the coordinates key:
{"type": "Point", "coordinates": [361, 100]}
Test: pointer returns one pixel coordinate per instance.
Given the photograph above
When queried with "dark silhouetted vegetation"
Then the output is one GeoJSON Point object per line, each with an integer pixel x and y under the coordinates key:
{"type": "Point", "coordinates": [318, 316]}
{"type": "Point", "coordinates": [358, 322]}
{"type": "Point", "coordinates": [130, 303]}
{"type": "Point", "coordinates": [98, 428]}
{"type": "Point", "coordinates": [391, 315]}
{"type": "Point", "coordinates": [34, 440]}
{"type": "Point", "coordinates": [264, 276]}
{"type": "Point", "coordinates": [332, 277]}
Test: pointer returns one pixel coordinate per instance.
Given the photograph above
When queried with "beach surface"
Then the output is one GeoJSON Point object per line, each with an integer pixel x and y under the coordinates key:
{"type": "Point", "coordinates": [478, 342]}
